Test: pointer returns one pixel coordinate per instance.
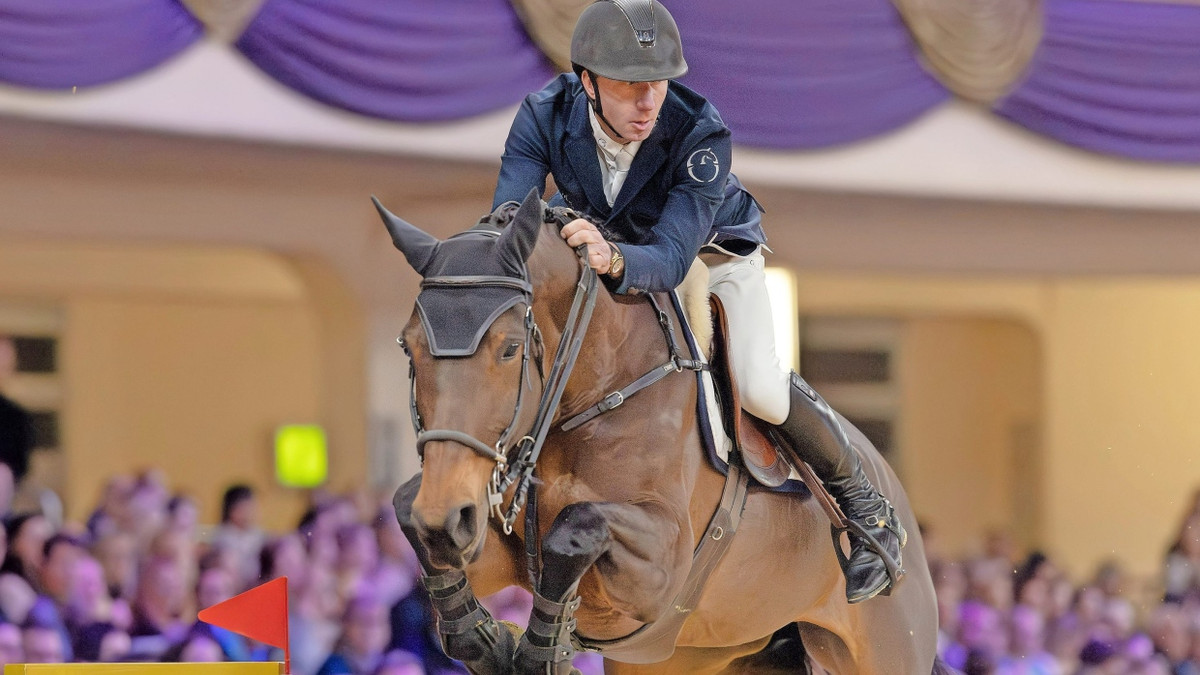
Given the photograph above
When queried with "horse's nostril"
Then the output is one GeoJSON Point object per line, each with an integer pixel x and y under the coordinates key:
{"type": "Point", "coordinates": [460, 525]}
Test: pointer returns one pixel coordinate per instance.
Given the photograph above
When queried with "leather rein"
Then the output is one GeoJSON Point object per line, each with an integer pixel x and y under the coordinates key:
{"type": "Point", "coordinates": [527, 449]}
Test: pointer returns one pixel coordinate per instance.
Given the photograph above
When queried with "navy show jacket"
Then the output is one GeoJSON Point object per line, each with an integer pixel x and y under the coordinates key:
{"type": "Point", "coordinates": [678, 195]}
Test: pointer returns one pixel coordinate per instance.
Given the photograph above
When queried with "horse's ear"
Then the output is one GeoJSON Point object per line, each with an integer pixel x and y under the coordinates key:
{"type": "Point", "coordinates": [416, 245]}
{"type": "Point", "coordinates": [521, 234]}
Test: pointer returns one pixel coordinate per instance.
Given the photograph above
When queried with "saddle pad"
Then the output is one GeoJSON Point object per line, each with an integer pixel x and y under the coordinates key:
{"type": "Point", "coordinates": [717, 444]}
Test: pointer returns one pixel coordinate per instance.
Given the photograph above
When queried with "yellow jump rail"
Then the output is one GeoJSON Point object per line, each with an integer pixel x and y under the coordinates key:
{"type": "Point", "coordinates": [257, 668]}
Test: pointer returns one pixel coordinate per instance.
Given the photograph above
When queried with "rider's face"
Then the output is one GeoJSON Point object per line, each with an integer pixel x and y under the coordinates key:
{"type": "Point", "coordinates": [630, 108]}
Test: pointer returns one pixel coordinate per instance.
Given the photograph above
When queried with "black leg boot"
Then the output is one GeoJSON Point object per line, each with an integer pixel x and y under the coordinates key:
{"type": "Point", "coordinates": [814, 435]}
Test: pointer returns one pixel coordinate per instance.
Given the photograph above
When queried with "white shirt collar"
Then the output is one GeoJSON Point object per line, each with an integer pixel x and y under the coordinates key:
{"type": "Point", "coordinates": [608, 145]}
{"type": "Point", "coordinates": [612, 157]}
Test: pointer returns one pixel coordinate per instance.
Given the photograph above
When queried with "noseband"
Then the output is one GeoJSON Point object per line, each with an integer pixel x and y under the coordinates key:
{"type": "Point", "coordinates": [515, 462]}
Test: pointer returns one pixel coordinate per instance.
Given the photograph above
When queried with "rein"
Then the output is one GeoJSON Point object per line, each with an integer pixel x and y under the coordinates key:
{"type": "Point", "coordinates": [529, 447]}
{"type": "Point", "coordinates": [526, 451]}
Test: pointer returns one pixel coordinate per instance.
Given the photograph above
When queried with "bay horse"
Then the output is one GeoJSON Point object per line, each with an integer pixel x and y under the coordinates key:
{"type": "Point", "coordinates": [617, 505]}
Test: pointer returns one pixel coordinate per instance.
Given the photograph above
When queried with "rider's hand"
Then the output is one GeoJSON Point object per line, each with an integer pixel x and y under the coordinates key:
{"type": "Point", "coordinates": [579, 232]}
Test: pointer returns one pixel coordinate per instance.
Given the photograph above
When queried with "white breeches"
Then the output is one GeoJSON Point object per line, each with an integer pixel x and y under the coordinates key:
{"type": "Point", "coordinates": [742, 287]}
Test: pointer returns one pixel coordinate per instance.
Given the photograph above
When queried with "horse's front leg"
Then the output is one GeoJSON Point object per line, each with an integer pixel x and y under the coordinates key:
{"type": "Point", "coordinates": [468, 632]}
{"type": "Point", "coordinates": [640, 540]}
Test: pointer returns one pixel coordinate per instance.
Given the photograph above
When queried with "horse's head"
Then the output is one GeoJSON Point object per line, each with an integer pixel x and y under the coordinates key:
{"type": "Point", "coordinates": [476, 361]}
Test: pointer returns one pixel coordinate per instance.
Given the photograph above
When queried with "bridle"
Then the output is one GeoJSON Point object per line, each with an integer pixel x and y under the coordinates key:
{"type": "Point", "coordinates": [515, 463]}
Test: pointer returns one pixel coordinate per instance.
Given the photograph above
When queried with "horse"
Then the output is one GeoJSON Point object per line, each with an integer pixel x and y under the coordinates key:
{"type": "Point", "coordinates": [617, 505]}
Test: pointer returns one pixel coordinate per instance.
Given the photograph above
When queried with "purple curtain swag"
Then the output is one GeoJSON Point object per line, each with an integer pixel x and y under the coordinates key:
{"type": "Point", "coordinates": [1113, 76]}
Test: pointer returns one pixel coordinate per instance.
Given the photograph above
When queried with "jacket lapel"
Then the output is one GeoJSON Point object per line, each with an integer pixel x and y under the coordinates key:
{"type": "Point", "coordinates": [649, 159]}
{"type": "Point", "coordinates": [581, 154]}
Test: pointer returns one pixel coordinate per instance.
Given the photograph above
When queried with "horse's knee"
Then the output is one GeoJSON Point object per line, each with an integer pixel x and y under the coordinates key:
{"type": "Point", "coordinates": [579, 531]}
{"type": "Point", "coordinates": [579, 535]}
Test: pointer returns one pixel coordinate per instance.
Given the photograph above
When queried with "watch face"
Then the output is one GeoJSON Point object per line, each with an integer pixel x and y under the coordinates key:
{"type": "Point", "coordinates": [617, 263]}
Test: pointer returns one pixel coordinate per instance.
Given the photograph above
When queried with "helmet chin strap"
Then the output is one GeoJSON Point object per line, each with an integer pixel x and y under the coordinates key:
{"type": "Point", "coordinates": [598, 108]}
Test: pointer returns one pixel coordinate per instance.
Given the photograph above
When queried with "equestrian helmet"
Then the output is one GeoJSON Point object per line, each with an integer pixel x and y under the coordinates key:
{"type": "Point", "coordinates": [628, 40]}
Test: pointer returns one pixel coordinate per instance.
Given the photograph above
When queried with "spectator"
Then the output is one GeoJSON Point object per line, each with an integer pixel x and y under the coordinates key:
{"type": "Point", "coordinates": [414, 631]}
{"type": "Point", "coordinates": [216, 585]}
{"type": "Point", "coordinates": [183, 515]}
{"type": "Point", "coordinates": [117, 554]}
{"type": "Point", "coordinates": [60, 554]}
{"type": "Point", "coordinates": [365, 637]}
{"type": "Point", "coordinates": [1181, 575]}
{"type": "Point", "coordinates": [980, 632]}
{"type": "Point", "coordinates": [990, 581]}
{"type": "Point", "coordinates": [88, 601]}
{"type": "Point", "coordinates": [399, 662]}
{"type": "Point", "coordinates": [102, 643]}
{"type": "Point", "coordinates": [197, 646]}
{"type": "Point", "coordinates": [239, 531]}
{"type": "Point", "coordinates": [42, 642]}
{"type": "Point", "coordinates": [27, 535]}
{"type": "Point", "coordinates": [398, 568]}
{"type": "Point", "coordinates": [157, 607]}
{"type": "Point", "coordinates": [1099, 657]}
{"type": "Point", "coordinates": [11, 650]}
{"type": "Point", "coordinates": [114, 499]}
{"type": "Point", "coordinates": [357, 559]}
{"type": "Point", "coordinates": [1027, 654]}
{"type": "Point", "coordinates": [314, 620]}
{"type": "Point", "coordinates": [16, 424]}
{"type": "Point", "coordinates": [144, 512]}
{"type": "Point", "coordinates": [1169, 633]}
{"type": "Point", "coordinates": [201, 649]}
{"type": "Point", "coordinates": [1191, 666]}
{"type": "Point", "coordinates": [284, 556]}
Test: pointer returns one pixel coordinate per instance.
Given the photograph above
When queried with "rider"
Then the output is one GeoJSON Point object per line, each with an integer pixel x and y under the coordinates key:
{"type": "Point", "coordinates": [649, 159]}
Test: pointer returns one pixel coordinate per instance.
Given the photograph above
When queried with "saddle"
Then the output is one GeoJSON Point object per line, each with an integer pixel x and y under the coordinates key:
{"type": "Point", "coordinates": [751, 436]}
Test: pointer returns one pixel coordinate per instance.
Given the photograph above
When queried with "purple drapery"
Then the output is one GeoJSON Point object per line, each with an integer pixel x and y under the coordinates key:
{"type": "Point", "coordinates": [1112, 76]}
{"type": "Point", "coordinates": [417, 60]}
{"type": "Point", "coordinates": [1116, 77]}
{"type": "Point", "coordinates": [60, 44]}
{"type": "Point", "coordinates": [805, 75]}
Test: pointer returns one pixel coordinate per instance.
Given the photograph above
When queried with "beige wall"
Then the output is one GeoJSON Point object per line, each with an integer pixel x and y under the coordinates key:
{"type": "Point", "coordinates": [193, 388]}
{"type": "Point", "coordinates": [1123, 427]}
{"type": "Point", "coordinates": [970, 394]}
{"type": "Point", "coordinates": [186, 359]}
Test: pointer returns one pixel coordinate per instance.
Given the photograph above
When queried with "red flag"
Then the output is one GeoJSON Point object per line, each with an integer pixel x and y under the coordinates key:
{"type": "Point", "coordinates": [260, 614]}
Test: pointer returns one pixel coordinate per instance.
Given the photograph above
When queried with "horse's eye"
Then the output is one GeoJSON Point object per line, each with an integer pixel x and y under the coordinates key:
{"type": "Point", "coordinates": [403, 345]}
{"type": "Point", "coordinates": [511, 350]}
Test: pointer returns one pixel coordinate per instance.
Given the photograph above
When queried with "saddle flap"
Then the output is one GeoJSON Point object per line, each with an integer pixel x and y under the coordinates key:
{"type": "Point", "coordinates": [749, 434]}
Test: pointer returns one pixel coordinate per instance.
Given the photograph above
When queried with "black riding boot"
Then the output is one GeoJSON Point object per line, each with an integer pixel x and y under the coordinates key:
{"type": "Point", "coordinates": [814, 435]}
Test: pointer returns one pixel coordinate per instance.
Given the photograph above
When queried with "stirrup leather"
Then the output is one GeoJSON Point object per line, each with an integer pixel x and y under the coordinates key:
{"type": "Point", "coordinates": [894, 567]}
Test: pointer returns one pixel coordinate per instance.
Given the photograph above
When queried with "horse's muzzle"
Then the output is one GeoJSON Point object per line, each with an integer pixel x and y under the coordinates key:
{"type": "Point", "coordinates": [456, 540]}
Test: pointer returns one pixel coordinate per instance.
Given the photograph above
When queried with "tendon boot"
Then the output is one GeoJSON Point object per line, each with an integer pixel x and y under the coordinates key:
{"type": "Point", "coordinates": [468, 631]}
{"type": "Point", "coordinates": [545, 647]}
{"type": "Point", "coordinates": [814, 434]}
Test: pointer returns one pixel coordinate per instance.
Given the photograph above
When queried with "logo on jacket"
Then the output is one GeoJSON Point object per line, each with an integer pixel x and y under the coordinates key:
{"type": "Point", "coordinates": [703, 166]}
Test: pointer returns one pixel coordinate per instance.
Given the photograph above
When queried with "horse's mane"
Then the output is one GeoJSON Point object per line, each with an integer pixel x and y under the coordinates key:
{"type": "Point", "coordinates": [502, 215]}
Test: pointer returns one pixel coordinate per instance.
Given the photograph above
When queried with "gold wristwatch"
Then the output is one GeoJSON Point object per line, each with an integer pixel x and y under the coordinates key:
{"type": "Point", "coordinates": [616, 264]}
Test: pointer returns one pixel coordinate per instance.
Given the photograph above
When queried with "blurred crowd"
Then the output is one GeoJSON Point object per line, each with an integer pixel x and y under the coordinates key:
{"type": "Point", "coordinates": [126, 585]}
{"type": "Point", "coordinates": [1021, 615]}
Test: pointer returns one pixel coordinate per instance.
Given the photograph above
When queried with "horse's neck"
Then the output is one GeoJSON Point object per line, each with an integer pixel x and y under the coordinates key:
{"type": "Point", "coordinates": [623, 341]}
